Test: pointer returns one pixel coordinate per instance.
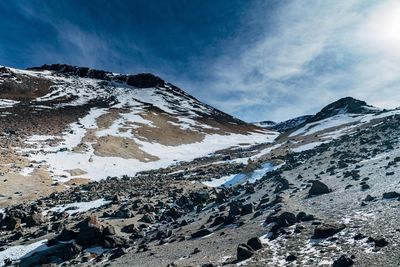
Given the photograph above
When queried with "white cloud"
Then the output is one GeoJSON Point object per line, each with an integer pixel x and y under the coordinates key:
{"type": "Point", "coordinates": [314, 52]}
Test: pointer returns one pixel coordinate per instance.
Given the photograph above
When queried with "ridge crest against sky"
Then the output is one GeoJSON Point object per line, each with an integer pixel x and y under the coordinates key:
{"type": "Point", "coordinates": [257, 60]}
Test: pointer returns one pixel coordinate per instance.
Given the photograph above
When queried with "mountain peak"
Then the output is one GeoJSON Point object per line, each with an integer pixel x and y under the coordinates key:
{"type": "Point", "coordinates": [345, 105]}
{"type": "Point", "coordinates": [140, 80]}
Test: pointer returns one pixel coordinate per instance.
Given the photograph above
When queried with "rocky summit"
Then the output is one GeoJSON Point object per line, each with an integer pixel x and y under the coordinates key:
{"type": "Point", "coordinates": [105, 169]}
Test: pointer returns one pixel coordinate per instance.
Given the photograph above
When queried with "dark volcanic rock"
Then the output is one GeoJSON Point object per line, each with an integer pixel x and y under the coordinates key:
{"type": "Point", "coordinates": [255, 243]}
{"type": "Point", "coordinates": [244, 252]}
{"type": "Point", "coordinates": [390, 195]}
{"type": "Point", "coordinates": [302, 216]}
{"type": "Point", "coordinates": [148, 218]}
{"type": "Point", "coordinates": [130, 228]}
{"type": "Point", "coordinates": [11, 223]}
{"type": "Point", "coordinates": [218, 220]}
{"type": "Point", "coordinates": [318, 188]}
{"type": "Point", "coordinates": [144, 80]}
{"type": "Point", "coordinates": [35, 220]}
{"type": "Point", "coordinates": [69, 251]}
{"type": "Point", "coordinates": [381, 242]}
{"type": "Point", "coordinates": [201, 233]}
{"type": "Point", "coordinates": [291, 258]}
{"type": "Point", "coordinates": [90, 232]}
{"type": "Point", "coordinates": [67, 235]}
{"type": "Point", "coordinates": [286, 219]}
{"type": "Point", "coordinates": [247, 209]}
{"type": "Point", "coordinates": [327, 230]}
{"type": "Point", "coordinates": [343, 261]}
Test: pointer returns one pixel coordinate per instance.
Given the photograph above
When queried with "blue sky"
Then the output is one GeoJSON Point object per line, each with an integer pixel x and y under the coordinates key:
{"type": "Point", "coordinates": [257, 60]}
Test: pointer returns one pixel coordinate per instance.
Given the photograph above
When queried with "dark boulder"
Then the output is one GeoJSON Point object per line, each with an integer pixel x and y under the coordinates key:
{"type": "Point", "coordinates": [67, 235]}
{"type": "Point", "coordinates": [343, 261]}
{"type": "Point", "coordinates": [148, 218]}
{"type": "Point", "coordinates": [90, 232]}
{"type": "Point", "coordinates": [327, 230]}
{"type": "Point", "coordinates": [144, 80]}
{"type": "Point", "coordinates": [244, 252]}
{"type": "Point", "coordinates": [218, 220]}
{"type": "Point", "coordinates": [200, 197]}
{"type": "Point", "coordinates": [304, 217]}
{"type": "Point", "coordinates": [201, 233]}
{"type": "Point", "coordinates": [380, 242]}
{"type": "Point", "coordinates": [11, 223]}
{"type": "Point", "coordinates": [291, 258]}
{"type": "Point", "coordinates": [318, 188]}
{"type": "Point", "coordinates": [286, 219]}
{"type": "Point", "coordinates": [69, 251]}
{"type": "Point", "coordinates": [247, 209]}
{"type": "Point", "coordinates": [390, 195]}
{"type": "Point", "coordinates": [35, 220]}
{"type": "Point", "coordinates": [255, 243]}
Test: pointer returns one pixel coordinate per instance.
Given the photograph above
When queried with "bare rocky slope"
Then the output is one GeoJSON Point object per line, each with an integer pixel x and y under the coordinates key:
{"type": "Point", "coordinates": [324, 192]}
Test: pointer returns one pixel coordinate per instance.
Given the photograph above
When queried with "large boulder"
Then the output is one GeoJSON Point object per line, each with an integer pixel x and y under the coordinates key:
{"type": "Point", "coordinates": [244, 252]}
{"type": "Point", "coordinates": [286, 219]}
{"type": "Point", "coordinates": [327, 230]}
{"type": "Point", "coordinates": [390, 195]}
{"type": "Point", "coordinates": [90, 232]}
{"type": "Point", "coordinates": [318, 188]}
{"type": "Point", "coordinates": [255, 243]}
{"type": "Point", "coordinates": [247, 209]}
{"type": "Point", "coordinates": [11, 223]}
{"type": "Point", "coordinates": [343, 261]}
{"type": "Point", "coordinates": [35, 219]}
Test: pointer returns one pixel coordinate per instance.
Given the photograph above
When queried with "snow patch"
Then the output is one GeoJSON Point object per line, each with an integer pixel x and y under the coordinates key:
{"type": "Point", "coordinates": [240, 178]}
{"type": "Point", "coordinates": [78, 207]}
{"type": "Point", "coordinates": [18, 252]}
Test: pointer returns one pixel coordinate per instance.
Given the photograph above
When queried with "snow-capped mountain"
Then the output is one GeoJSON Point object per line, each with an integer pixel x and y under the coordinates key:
{"type": "Point", "coordinates": [78, 122]}
{"type": "Point", "coordinates": [346, 105]}
{"type": "Point", "coordinates": [340, 117]}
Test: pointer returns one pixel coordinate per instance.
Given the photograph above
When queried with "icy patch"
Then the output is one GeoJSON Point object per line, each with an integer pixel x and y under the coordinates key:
{"type": "Point", "coordinates": [18, 252]}
{"type": "Point", "coordinates": [240, 178]}
{"type": "Point", "coordinates": [78, 207]}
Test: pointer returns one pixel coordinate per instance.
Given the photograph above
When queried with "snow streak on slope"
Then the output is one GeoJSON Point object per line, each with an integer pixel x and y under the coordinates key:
{"type": "Point", "coordinates": [346, 121]}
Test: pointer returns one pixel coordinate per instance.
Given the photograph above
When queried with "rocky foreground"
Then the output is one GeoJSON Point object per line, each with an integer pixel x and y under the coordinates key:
{"type": "Point", "coordinates": [336, 204]}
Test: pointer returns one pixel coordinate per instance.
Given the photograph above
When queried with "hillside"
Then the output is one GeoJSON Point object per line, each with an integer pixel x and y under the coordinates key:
{"type": "Point", "coordinates": [62, 122]}
{"type": "Point", "coordinates": [171, 181]}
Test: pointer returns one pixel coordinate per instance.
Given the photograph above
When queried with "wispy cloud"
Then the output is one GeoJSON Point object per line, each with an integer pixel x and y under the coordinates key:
{"type": "Point", "coordinates": [316, 52]}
